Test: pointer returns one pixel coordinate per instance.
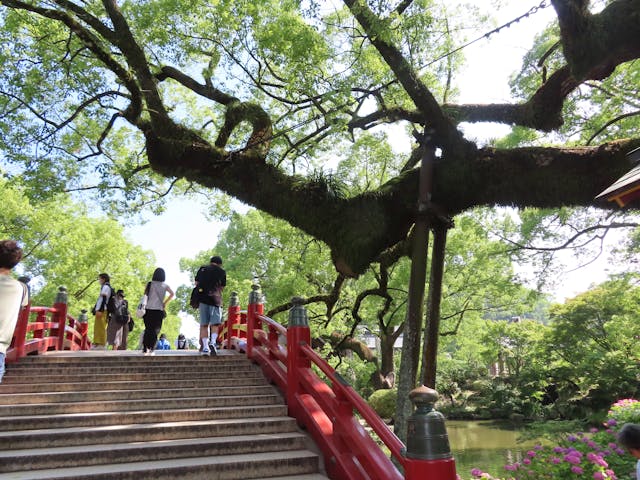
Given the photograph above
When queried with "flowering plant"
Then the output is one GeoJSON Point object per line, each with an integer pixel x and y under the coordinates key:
{"type": "Point", "coordinates": [623, 411]}
{"type": "Point", "coordinates": [594, 455]}
{"type": "Point", "coordinates": [579, 459]}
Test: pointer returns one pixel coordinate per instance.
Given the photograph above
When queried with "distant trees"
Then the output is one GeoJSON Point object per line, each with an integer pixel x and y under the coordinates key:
{"type": "Point", "coordinates": [63, 245]}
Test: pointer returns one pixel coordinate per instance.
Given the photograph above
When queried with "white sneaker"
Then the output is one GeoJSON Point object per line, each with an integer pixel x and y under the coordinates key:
{"type": "Point", "coordinates": [205, 352]}
{"type": "Point", "coordinates": [214, 350]}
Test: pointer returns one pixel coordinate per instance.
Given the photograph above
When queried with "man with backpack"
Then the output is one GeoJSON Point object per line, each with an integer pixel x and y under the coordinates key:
{"type": "Point", "coordinates": [101, 313]}
{"type": "Point", "coordinates": [210, 281]}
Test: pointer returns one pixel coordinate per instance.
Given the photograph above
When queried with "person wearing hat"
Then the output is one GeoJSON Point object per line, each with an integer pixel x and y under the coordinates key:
{"type": "Point", "coordinates": [210, 281]}
{"type": "Point", "coordinates": [118, 328]}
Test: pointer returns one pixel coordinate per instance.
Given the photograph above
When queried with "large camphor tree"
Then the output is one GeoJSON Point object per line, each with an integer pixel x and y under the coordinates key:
{"type": "Point", "coordinates": [249, 97]}
{"type": "Point", "coordinates": [260, 99]}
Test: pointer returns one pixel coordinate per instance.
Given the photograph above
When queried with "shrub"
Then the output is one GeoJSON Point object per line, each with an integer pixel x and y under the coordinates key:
{"type": "Point", "coordinates": [623, 411]}
{"type": "Point", "coordinates": [384, 402]}
{"type": "Point", "coordinates": [594, 455]}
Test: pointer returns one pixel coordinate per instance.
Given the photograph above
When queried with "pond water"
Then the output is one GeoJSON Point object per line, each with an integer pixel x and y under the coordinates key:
{"type": "Point", "coordinates": [487, 445]}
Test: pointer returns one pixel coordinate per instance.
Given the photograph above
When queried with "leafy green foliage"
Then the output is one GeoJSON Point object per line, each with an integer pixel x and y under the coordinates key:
{"type": "Point", "coordinates": [63, 245]}
{"type": "Point", "coordinates": [593, 344]}
{"type": "Point", "coordinates": [384, 402]}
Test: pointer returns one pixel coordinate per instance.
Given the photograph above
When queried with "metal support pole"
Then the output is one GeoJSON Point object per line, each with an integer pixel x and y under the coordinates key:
{"type": "Point", "coordinates": [433, 307]}
{"type": "Point", "coordinates": [413, 325]}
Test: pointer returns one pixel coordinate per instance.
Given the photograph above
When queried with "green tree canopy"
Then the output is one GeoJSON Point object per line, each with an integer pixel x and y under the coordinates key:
{"type": "Point", "coordinates": [64, 246]}
{"type": "Point", "coordinates": [137, 100]}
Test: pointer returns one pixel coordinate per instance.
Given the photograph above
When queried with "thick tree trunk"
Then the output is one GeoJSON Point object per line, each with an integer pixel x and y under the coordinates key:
{"type": "Point", "coordinates": [386, 354]}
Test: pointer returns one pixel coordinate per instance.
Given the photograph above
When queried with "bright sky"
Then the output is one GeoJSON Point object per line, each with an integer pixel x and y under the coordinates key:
{"type": "Point", "coordinates": [183, 232]}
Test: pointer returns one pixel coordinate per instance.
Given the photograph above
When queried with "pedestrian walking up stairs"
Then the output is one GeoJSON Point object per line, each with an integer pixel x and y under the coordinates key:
{"type": "Point", "coordinates": [121, 415]}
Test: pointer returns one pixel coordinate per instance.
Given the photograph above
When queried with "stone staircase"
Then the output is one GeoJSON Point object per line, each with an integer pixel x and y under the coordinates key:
{"type": "Point", "coordinates": [121, 415]}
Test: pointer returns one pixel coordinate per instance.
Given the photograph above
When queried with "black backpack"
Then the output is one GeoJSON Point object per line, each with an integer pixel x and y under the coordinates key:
{"type": "Point", "coordinates": [111, 303]}
{"type": "Point", "coordinates": [121, 313]}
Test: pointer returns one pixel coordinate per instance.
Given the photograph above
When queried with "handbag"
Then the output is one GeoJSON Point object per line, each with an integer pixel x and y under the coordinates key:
{"type": "Point", "coordinates": [131, 324]}
{"type": "Point", "coordinates": [142, 307]}
{"type": "Point", "coordinates": [194, 300]}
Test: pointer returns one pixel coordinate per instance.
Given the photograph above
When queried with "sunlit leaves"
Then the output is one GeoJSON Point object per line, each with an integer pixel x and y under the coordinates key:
{"type": "Point", "coordinates": [63, 245]}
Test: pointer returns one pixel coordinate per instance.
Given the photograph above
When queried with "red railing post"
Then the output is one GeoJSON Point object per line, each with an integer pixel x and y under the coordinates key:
{"type": "Point", "coordinates": [83, 329]}
{"type": "Point", "coordinates": [297, 333]}
{"type": "Point", "coordinates": [428, 453]}
{"type": "Point", "coordinates": [20, 332]}
{"type": "Point", "coordinates": [60, 315]}
{"type": "Point", "coordinates": [233, 317]}
{"type": "Point", "coordinates": [254, 309]}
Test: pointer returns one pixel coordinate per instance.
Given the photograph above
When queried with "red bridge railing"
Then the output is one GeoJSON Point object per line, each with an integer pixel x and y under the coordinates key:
{"type": "Point", "coordinates": [42, 329]}
{"type": "Point", "coordinates": [331, 410]}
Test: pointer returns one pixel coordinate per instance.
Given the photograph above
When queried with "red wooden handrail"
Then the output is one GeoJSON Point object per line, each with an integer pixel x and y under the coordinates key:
{"type": "Point", "coordinates": [326, 410]}
{"type": "Point", "coordinates": [368, 414]}
{"type": "Point", "coordinates": [41, 329]}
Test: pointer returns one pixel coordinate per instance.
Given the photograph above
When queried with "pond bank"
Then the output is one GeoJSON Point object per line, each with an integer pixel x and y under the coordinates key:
{"type": "Point", "coordinates": [485, 444]}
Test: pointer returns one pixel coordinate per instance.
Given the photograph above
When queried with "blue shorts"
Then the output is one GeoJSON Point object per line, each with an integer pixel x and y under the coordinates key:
{"type": "Point", "coordinates": [210, 314]}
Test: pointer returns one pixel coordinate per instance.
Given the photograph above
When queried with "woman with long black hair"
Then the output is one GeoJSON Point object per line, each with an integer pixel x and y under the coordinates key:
{"type": "Point", "coordinates": [157, 299]}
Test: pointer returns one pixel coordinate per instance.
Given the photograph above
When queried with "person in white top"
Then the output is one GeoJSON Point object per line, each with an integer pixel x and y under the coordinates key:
{"type": "Point", "coordinates": [13, 296]}
{"type": "Point", "coordinates": [157, 299]}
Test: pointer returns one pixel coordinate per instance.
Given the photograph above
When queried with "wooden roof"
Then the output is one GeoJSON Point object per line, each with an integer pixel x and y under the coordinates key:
{"type": "Point", "coordinates": [625, 189]}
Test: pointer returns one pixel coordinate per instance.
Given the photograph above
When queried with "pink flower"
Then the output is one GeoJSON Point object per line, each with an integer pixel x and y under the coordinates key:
{"type": "Point", "coordinates": [531, 453]}
{"type": "Point", "coordinates": [596, 459]}
{"type": "Point", "coordinates": [574, 460]}
{"type": "Point", "coordinates": [598, 476]}
{"type": "Point", "coordinates": [526, 461]}
{"type": "Point", "coordinates": [576, 470]}
{"type": "Point", "coordinates": [476, 472]}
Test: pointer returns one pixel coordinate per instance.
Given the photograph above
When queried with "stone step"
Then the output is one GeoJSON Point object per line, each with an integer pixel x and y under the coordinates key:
{"type": "Point", "coordinates": [97, 377]}
{"type": "Point", "coordinates": [118, 391]}
{"type": "Point", "coordinates": [123, 416]}
{"type": "Point", "coordinates": [86, 455]}
{"type": "Point", "coordinates": [134, 405]}
{"type": "Point", "coordinates": [226, 384]}
{"type": "Point", "coordinates": [101, 419]}
{"type": "Point", "coordinates": [222, 467]}
{"type": "Point", "coordinates": [36, 372]}
{"type": "Point", "coordinates": [129, 357]}
{"type": "Point", "coordinates": [61, 437]}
